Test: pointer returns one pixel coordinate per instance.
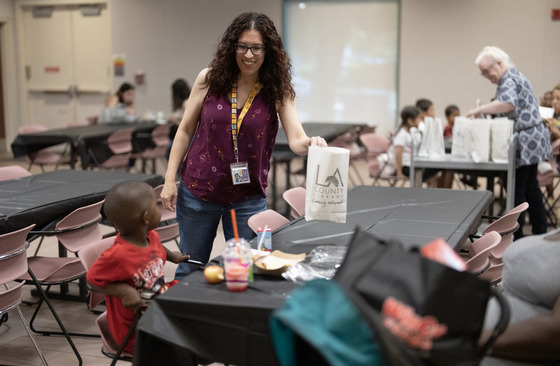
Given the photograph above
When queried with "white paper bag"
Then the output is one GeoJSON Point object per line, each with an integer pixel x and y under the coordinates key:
{"type": "Point", "coordinates": [501, 131]}
{"type": "Point", "coordinates": [432, 146]}
{"type": "Point", "coordinates": [480, 132]}
{"type": "Point", "coordinates": [462, 138]}
{"type": "Point", "coordinates": [327, 183]}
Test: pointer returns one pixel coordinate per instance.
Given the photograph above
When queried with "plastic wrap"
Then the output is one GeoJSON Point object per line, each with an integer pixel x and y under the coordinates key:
{"type": "Point", "coordinates": [321, 262]}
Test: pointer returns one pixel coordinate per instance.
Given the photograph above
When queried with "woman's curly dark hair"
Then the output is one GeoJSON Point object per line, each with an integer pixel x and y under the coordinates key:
{"type": "Point", "coordinates": [275, 72]}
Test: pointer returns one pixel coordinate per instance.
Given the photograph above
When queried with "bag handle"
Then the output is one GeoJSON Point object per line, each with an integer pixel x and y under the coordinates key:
{"type": "Point", "coordinates": [501, 325]}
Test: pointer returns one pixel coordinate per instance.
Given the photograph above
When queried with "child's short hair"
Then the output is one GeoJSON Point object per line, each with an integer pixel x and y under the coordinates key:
{"type": "Point", "coordinates": [126, 200]}
{"type": "Point", "coordinates": [450, 109]}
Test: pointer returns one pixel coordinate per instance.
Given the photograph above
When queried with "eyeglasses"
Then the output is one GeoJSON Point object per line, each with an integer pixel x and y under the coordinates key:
{"type": "Point", "coordinates": [486, 71]}
{"type": "Point", "coordinates": [255, 50]}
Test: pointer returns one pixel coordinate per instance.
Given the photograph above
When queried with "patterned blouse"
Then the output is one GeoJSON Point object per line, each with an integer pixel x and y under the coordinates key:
{"type": "Point", "coordinates": [206, 171]}
{"type": "Point", "coordinates": [533, 141]}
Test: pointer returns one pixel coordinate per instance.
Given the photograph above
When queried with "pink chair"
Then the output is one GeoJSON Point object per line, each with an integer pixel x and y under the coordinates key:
{"type": "Point", "coordinates": [348, 140]}
{"type": "Point", "coordinates": [376, 145]}
{"type": "Point", "coordinates": [88, 256]}
{"type": "Point", "coordinates": [269, 218]}
{"type": "Point", "coordinates": [295, 197]}
{"type": "Point", "coordinates": [44, 156]}
{"type": "Point", "coordinates": [168, 232]}
{"type": "Point", "coordinates": [160, 138]}
{"type": "Point", "coordinates": [45, 272]}
{"type": "Point", "coordinates": [168, 229]}
{"type": "Point", "coordinates": [166, 215]}
{"type": "Point", "coordinates": [480, 262]}
{"type": "Point", "coordinates": [120, 144]}
{"type": "Point", "coordinates": [13, 264]}
{"type": "Point", "coordinates": [506, 226]}
{"type": "Point", "coordinates": [13, 172]}
{"type": "Point", "coordinates": [76, 231]}
{"type": "Point", "coordinates": [493, 274]}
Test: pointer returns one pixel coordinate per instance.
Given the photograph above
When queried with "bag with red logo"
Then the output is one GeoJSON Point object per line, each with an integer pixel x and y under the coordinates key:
{"type": "Point", "coordinates": [422, 312]}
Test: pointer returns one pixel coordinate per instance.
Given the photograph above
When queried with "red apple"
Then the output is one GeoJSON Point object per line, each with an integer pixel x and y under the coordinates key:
{"type": "Point", "coordinates": [214, 274]}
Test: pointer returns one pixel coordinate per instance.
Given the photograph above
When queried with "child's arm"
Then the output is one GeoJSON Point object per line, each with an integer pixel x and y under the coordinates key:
{"type": "Point", "coordinates": [398, 161]}
{"type": "Point", "coordinates": [130, 297]}
{"type": "Point", "coordinates": [176, 256]}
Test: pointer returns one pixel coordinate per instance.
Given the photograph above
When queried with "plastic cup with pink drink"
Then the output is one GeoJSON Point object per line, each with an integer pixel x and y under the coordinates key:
{"type": "Point", "coordinates": [237, 264]}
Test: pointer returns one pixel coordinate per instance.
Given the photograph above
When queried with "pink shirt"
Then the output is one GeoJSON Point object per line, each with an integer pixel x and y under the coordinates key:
{"type": "Point", "coordinates": [206, 171]}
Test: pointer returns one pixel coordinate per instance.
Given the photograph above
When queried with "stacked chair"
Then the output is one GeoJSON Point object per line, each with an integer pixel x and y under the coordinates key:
{"type": "Point", "coordinates": [13, 264]}
{"type": "Point", "coordinates": [505, 226]}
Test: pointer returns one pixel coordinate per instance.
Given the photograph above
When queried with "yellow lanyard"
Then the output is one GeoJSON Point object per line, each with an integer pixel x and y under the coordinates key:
{"type": "Point", "coordinates": [236, 122]}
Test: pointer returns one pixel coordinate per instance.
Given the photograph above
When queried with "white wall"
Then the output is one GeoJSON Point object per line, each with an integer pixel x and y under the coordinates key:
{"type": "Point", "coordinates": [439, 42]}
{"type": "Point", "coordinates": [168, 39]}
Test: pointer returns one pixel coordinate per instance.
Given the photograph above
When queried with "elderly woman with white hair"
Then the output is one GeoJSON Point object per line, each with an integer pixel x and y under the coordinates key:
{"type": "Point", "coordinates": [516, 100]}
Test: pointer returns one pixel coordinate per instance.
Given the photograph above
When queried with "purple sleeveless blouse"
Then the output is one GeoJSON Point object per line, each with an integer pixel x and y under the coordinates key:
{"type": "Point", "coordinates": [206, 171]}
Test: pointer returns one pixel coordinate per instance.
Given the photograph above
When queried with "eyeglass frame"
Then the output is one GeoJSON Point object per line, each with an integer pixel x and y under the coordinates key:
{"type": "Point", "coordinates": [485, 72]}
{"type": "Point", "coordinates": [256, 47]}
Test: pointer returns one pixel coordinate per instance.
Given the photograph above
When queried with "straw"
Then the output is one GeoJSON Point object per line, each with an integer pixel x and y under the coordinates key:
{"type": "Point", "coordinates": [234, 222]}
{"type": "Point", "coordinates": [259, 246]}
{"type": "Point", "coordinates": [236, 234]}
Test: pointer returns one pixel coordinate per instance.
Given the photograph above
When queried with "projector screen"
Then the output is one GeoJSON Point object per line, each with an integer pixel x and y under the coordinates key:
{"type": "Point", "coordinates": [345, 57]}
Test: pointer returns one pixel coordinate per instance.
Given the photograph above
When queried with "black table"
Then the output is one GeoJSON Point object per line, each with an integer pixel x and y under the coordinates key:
{"type": "Point", "coordinates": [196, 317]}
{"type": "Point", "coordinates": [43, 198]}
{"type": "Point", "coordinates": [219, 325]}
{"type": "Point", "coordinates": [414, 216]}
{"type": "Point", "coordinates": [82, 139]}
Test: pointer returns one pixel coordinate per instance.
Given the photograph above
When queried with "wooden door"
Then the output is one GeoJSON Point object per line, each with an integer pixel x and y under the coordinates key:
{"type": "Point", "coordinates": [67, 57]}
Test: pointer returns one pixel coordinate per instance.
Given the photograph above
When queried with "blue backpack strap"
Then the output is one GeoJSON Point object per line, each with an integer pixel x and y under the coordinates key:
{"type": "Point", "coordinates": [320, 315]}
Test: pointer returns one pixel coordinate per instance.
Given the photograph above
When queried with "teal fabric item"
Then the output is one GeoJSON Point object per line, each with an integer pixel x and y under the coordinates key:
{"type": "Point", "coordinates": [322, 314]}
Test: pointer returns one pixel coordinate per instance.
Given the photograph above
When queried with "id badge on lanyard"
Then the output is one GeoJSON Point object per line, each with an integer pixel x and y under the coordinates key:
{"type": "Point", "coordinates": [240, 170]}
{"type": "Point", "coordinates": [240, 173]}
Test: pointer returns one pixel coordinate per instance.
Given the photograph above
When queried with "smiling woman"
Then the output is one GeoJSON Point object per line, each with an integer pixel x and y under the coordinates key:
{"type": "Point", "coordinates": [227, 136]}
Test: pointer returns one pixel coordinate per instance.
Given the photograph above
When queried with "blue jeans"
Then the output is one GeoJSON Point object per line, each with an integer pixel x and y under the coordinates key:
{"type": "Point", "coordinates": [198, 224]}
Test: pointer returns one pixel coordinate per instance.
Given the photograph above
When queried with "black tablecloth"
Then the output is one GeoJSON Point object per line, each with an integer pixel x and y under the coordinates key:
{"type": "Point", "coordinates": [414, 216]}
{"type": "Point", "coordinates": [233, 327]}
{"type": "Point", "coordinates": [83, 139]}
{"type": "Point", "coordinates": [222, 326]}
{"type": "Point", "coordinates": [43, 198]}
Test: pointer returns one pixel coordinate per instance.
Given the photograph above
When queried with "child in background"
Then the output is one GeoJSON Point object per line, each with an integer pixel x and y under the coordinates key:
{"type": "Point", "coordinates": [400, 150]}
{"type": "Point", "coordinates": [132, 268]}
{"type": "Point", "coordinates": [426, 108]}
{"type": "Point", "coordinates": [451, 111]}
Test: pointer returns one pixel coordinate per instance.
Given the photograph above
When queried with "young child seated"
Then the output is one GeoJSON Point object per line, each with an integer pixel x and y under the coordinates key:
{"type": "Point", "coordinates": [132, 268]}
{"type": "Point", "coordinates": [451, 111]}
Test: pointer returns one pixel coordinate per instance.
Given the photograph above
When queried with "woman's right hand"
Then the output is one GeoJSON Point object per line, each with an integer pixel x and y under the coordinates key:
{"type": "Point", "coordinates": [169, 195]}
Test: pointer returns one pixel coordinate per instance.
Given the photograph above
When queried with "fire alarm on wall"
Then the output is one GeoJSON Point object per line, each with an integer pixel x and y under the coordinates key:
{"type": "Point", "coordinates": [555, 14]}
